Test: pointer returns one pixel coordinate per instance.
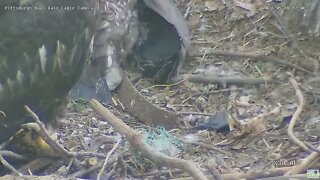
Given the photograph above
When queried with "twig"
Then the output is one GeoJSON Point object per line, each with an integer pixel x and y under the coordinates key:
{"type": "Point", "coordinates": [307, 162]}
{"type": "Point", "coordinates": [107, 158]}
{"type": "Point", "coordinates": [102, 140]}
{"type": "Point", "coordinates": [34, 177]}
{"type": "Point", "coordinates": [136, 78]}
{"type": "Point", "coordinates": [212, 166]}
{"type": "Point", "coordinates": [69, 165]}
{"type": "Point", "coordinates": [195, 113]}
{"type": "Point", "coordinates": [228, 81]}
{"type": "Point", "coordinates": [216, 92]}
{"type": "Point", "coordinates": [36, 165]}
{"type": "Point", "coordinates": [91, 154]}
{"type": "Point", "coordinates": [168, 172]}
{"type": "Point", "coordinates": [46, 137]}
{"type": "Point", "coordinates": [295, 43]}
{"type": "Point", "coordinates": [53, 144]}
{"type": "Point", "coordinates": [163, 85]}
{"type": "Point", "coordinates": [63, 152]}
{"type": "Point", "coordinates": [9, 166]}
{"type": "Point", "coordinates": [137, 142]}
{"type": "Point", "coordinates": [12, 155]}
{"type": "Point", "coordinates": [210, 147]}
{"type": "Point", "coordinates": [257, 58]}
{"type": "Point", "coordinates": [314, 155]}
{"type": "Point", "coordinates": [111, 173]}
{"type": "Point", "coordinates": [296, 115]}
{"type": "Point", "coordinates": [85, 171]}
{"type": "Point", "coordinates": [3, 114]}
{"type": "Point", "coordinates": [276, 172]}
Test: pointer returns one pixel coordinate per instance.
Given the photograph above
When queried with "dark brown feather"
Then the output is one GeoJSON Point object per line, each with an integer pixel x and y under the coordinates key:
{"type": "Point", "coordinates": [42, 55]}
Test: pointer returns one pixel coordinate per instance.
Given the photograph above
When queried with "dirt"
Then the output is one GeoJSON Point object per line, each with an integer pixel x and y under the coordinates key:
{"type": "Point", "coordinates": [262, 145]}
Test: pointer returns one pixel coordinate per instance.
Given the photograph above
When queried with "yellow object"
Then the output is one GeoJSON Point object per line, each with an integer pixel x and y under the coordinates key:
{"type": "Point", "coordinates": [29, 140]}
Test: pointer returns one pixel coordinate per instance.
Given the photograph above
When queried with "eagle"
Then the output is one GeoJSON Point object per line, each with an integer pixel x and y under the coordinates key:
{"type": "Point", "coordinates": [151, 35]}
{"type": "Point", "coordinates": [43, 50]}
{"type": "Point", "coordinates": [47, 49]}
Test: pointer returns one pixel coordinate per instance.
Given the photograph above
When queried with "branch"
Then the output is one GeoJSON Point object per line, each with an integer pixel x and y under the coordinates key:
{"type": "Point", "coordinates": [137, 142]}
{"type": "Point", "coordinates": [296, 115]}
